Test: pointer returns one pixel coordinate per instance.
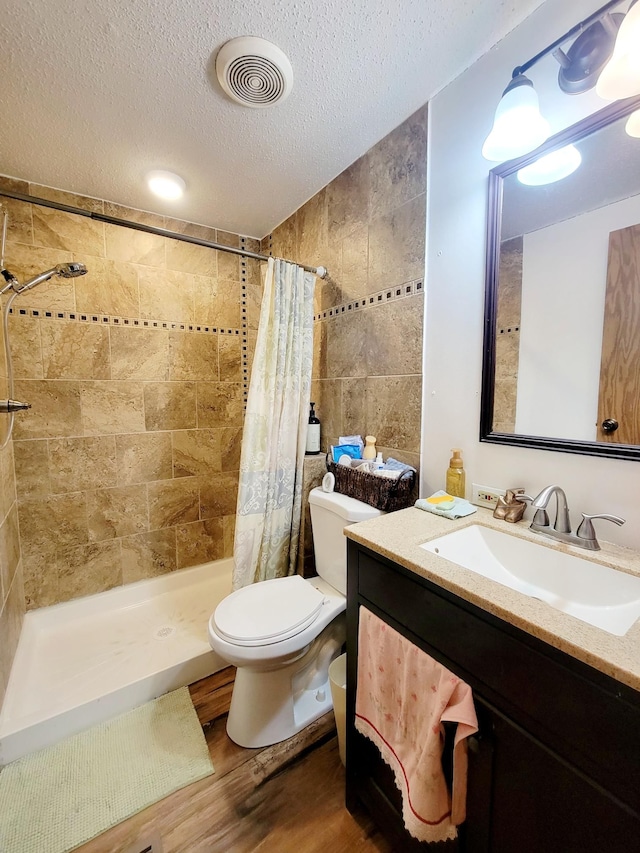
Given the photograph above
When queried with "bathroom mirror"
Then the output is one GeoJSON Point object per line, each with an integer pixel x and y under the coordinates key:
{"type": "Point", "coordinates": [561, 366]}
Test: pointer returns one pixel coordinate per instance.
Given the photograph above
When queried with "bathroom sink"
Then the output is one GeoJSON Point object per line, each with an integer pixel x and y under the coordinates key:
{"type": "Point", "coordinates": [590, 591]}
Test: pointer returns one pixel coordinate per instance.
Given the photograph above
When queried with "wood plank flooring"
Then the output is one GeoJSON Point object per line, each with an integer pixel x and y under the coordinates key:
{"type": "Point", "coordinates": [286, 798]}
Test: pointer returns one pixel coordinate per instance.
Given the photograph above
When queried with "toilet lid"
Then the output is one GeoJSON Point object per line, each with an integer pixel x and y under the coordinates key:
{"type": "Point", "coordinates": [268, 611]}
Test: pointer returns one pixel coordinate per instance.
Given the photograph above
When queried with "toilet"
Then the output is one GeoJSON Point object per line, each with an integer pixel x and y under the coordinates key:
{"type": "Point", "coordinates": [282, 634]}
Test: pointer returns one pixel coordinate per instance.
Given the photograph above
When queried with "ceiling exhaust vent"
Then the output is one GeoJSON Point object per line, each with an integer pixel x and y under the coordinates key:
{"type": "Point", "coordinates": [254, 72]}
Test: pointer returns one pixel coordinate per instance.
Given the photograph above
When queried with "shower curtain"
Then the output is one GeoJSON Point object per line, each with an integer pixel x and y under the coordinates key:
{"type": "Point", "coordinates": [273, 443]}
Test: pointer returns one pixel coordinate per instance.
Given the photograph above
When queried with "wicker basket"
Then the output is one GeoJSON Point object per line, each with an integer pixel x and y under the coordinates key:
{"type": "Point", "coordinates": [381, 492]}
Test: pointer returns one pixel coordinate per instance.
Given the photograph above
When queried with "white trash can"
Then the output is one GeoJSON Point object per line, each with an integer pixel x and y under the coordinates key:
{"type": "Point", "coordinates": [338, 682]}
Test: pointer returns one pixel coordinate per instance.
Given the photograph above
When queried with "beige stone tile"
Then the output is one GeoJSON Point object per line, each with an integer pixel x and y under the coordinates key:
{"type": "Point", "coordinates": [219, 404]}
{"type": "Point", "coordinates": [54, 229]}
{"type": "Point", "coordinates": [285, 242]}
{"type": "Point", "coordinates": [25, 262]}
{"type": "Point", "coordinates": [319, 370]}
{"type": "Point", "coordinates": [55, 409]}
{"type": "Point", "coordinates": [505, 395]}
{"type": "Point", "coordinates": [32, 468]}
{"type": "Point", "coordinates": [329, 293]}
{"type": "Point", "coordinates": [73, 350]}
{"type": "Point", "coordinates": [354, 417]}
{"type": "Point", "coordinates": [230, 448]}
{"type": "Point", "coordinates": [11, 617]}
{"type": "Point", "coordinates": [355, 259]}
{"type": "Point", "coordinates": [139, 353]}
{"type": "Point", "coordinates": [229, 532]}
{"type": "Point", "coordinates": [170, 405]}
{"type": "Point", "coordinates": [8, 484]}
{"type": "Point", "coordinates": [143, 457]}
{"type": "Point", "coordinates": [76, 464]}
{"type": "Point", "coordinates": [173, 502]}
{"type": "Point", "coordinates": [20, 221]}
{"type": "Point", "coordinates": [94, 205]}
{"type": "Point", "coordinates": [227, 238]}
{"type": "Point", "coordinates": [393, 411]}
{"type": "Point", "coordinates": [348, 345]}
{"type": "Point", "coordinates": [131, 214]}
{"type": "Point", "coordinates": [191, 258]}
{"type": "Point", "coordinates": [193, 356]}
{"type": "Point", "coordinates": [394, 335]}
{"type": "Point", "coordinates": [229, 266]}
{"type": "Point", "coordinates": [112, 513]}
{"type": "Point", "coordinates": [53, 522]}
{"type": "Point", "coordinates": [230, 358]}
{"type": "Point", "coordinates": [507, 355]}
{"type": "Point", "coordinates": [396, 246]}
{"type": "Point", "coordinates": [193, 229]}
{"type": "Point", "coordinates": [251, 244]}
{"type": "Point", "coordinates": [218, 495]}
{"type": "Point", "coordinates": [251, 269]}
{"type": "Point", "coordinates": [148, 555]}
{"type": "Point", "coordinates": [166, 295]}
{"type": "Point", "coordinates": [89, 569]}
{"type": "Point", "coordinates": [312, 230]}
{"type": "Point", "coordinates": [40, 573]}
{"type": "Point", "coordinates": [200, 542]}
{"type": "Point", "coordinates": [327, 394]}
{"type": "Point", "coordinates": [109, 287]}
{"type": "Point", "coordinates": [14, 185]}
{"type": "Point", "coordinates": [348, 200]}
{"type": "Point", "coordinates": [398, 165]}
{"type": "Point", "coordinates": [26, 348]}
{"type": "Point", "coordinates": [217, 302]}
{"type": "Point", "coordinates": [252, 339]}
{"type": "Point", "coordinates": [134, 247]}
{"type": "Point", "coordinates": [253, 300]}
{"type": "Point", "coordinates": [112, 407]}
{"type": "Point", "coordinates": [9, 550]}
{"type": "Point", "coordinates": [196, 452]}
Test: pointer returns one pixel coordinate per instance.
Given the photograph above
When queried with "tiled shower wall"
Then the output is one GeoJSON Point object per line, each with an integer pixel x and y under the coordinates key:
{"type": "Point", "coordinates": [127, 464]}
{"type": "Point", "coordinates": [368, 228]}
{"type": "Point", "coordinates": [12, 604]}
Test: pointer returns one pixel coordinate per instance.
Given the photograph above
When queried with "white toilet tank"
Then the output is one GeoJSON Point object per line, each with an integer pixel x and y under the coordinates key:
{"type": "Point", "coordinates": [330, 514]}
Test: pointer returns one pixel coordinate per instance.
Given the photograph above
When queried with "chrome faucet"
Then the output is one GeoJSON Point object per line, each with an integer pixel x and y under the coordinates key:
{"type": "Point", "coordinates": [584, 537]}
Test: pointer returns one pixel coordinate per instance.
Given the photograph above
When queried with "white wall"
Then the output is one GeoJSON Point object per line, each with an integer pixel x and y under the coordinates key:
{"type": "Point", "coordinates": [564, 277]}
{"type": "Point", "coordinates": [460, 118]}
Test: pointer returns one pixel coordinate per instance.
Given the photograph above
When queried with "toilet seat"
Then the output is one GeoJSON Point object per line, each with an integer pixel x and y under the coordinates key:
{"type": "Point", "coordinates": [267, 612]}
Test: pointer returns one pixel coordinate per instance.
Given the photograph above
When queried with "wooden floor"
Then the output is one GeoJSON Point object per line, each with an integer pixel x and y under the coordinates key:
{"type": "Point", "coordinates": [287, 798]}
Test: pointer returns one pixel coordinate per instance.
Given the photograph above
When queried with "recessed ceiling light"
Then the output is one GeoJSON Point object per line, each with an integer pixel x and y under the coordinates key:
{"type": "Point", "coordinates": [166, 184]}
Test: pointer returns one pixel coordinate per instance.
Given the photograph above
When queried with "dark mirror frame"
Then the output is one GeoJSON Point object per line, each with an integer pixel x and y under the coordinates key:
{"type": "Point", "coordinates": [583, 128]}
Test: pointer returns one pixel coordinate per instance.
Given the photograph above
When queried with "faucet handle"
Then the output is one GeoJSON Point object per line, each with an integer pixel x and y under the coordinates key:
{"type": "Point", "coordinates": [541, 517]}
{"type": "Point", "coordinates": [586, 529]}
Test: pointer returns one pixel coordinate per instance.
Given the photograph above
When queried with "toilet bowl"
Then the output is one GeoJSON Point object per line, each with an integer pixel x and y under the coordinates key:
{"type": "Point", "coordinates": [282, 634]}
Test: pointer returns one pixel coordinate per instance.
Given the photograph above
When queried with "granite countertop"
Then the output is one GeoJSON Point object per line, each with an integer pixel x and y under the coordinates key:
{"type": "Point", "coordinates": [398, 537]}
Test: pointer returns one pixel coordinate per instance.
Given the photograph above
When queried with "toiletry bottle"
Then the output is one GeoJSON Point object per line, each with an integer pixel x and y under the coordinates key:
{"type": "Point", "coordinates": [313, 434]}
{"type": "Point", "coordinates": [455, 475]}
{"type": "Point", "coordinates": [369, 451]}
{"type": "Point", "coordinates": [378, 465]}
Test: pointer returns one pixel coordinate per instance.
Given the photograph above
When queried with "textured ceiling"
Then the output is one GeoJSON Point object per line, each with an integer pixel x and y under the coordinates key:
{"type": "Point", "coordinates": [93, 95]}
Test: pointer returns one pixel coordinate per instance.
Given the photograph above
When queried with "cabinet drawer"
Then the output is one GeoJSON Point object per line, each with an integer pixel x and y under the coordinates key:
{"type": "Point", "coordinates": [585, 717]}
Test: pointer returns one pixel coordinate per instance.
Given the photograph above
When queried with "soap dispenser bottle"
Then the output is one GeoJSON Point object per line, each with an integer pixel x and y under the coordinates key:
{"type": "Point", "coordinates": [313, 433]}
{"type": "Point", "coordinates": [455, 475]}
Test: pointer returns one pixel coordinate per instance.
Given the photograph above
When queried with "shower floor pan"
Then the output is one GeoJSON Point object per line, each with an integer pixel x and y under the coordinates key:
{"type": "Point", "coordinates": [85, 661]}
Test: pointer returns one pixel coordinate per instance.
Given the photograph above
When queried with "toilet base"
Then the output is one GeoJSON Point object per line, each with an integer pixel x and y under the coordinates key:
{"type": "Point", "coordinates": [269, 706]}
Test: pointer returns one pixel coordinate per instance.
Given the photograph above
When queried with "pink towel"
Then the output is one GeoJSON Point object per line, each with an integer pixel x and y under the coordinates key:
{"type": "Point", "coordinates": [403, 698]}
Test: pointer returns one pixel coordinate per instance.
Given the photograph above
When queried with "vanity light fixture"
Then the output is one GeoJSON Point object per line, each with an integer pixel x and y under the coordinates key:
{"type": "Point", "coordinates": [605, 47]}
{"type": "Point", "coordinates": [167, 185]}
{"type": "Point", "coordinates": [552, 167]}
{"type": "Point", "coordinates": [633, 124]}
{"type": "Point", "coordinates": [621, 75]}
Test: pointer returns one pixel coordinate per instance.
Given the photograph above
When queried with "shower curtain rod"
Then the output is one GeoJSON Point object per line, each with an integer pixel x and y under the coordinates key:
{"type": "Point", "coordinates": [321, 272]}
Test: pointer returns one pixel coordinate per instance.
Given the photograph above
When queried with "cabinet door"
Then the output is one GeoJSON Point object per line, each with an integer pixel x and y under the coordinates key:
{"type": "Point", "coordinates": [540, 803]}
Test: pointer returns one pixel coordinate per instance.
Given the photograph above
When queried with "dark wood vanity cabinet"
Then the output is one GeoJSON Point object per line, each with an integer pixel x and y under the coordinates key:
{"type": "Point", "coordinates": [555, 766]}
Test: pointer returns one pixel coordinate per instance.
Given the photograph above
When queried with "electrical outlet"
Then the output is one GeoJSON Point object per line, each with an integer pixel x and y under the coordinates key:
{"type": "Point", "coordinates": [488, 495]}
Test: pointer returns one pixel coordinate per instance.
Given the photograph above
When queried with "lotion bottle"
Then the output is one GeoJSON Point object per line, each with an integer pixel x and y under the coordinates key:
{"type": "Point", "coordinates": [313, 433]}
{"type": "Point", "coordinates": [455, 475]}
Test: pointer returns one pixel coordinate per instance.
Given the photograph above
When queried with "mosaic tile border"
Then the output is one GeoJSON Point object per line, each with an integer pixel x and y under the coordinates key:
{"type": "Point", "coordinates": [244, 322]}
{"type": "Point", "coordinates": [126, 322]}
{"type": "Point", "coordinates": [508, 330]}
{"type": "Point", "coordinates": [389, 294]}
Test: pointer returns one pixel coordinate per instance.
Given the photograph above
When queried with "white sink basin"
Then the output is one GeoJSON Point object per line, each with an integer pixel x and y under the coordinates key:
{"type": "Point", "coordinates": [597, 594]}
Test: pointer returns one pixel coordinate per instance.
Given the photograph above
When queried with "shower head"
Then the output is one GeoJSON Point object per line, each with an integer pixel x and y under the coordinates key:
{"type": "Point", "coordinates": [64, 270]}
